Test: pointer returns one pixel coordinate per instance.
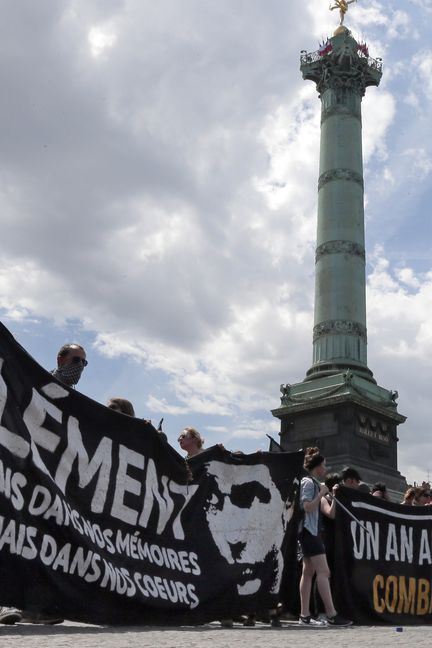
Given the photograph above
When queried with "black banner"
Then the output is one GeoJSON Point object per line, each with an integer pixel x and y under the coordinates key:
{"type": "Point", "coordinates": [383, 571]}
{"type": "Point", "coordinates": [102, 521]}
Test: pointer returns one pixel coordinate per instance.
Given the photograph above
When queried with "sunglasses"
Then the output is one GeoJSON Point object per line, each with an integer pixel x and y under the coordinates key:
{"type": "Point", "coordinates": [76, 359]}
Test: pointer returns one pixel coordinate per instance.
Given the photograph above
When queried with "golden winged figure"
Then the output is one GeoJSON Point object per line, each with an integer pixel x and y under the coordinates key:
{"type": "Point", "coordinates": [342, 5]}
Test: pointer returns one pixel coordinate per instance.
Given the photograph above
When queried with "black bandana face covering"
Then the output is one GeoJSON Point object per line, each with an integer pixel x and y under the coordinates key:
{"type": "Point", "coordinates": [69, 374]}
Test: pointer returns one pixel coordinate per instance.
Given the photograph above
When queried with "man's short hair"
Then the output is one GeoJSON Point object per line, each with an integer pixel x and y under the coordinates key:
{"type": "Point", "coordinates": [349, 473]}
{"type": "Point", "coordinates": [331, 480]}
{"type": "Point", "coordinates": [64, 350]}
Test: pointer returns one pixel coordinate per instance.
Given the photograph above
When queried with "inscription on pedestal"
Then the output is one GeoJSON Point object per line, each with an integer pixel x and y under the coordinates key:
{"type": "Point", "coordinates": [376, 435]}
{"type": "Point", "coordinates": [373, 429]}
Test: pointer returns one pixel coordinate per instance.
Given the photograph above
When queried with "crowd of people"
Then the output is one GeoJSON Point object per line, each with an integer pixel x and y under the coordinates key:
{"type": "Point", "coordinates": [418, 495]}
{"type": "Point", "coordinates": [317, 503]}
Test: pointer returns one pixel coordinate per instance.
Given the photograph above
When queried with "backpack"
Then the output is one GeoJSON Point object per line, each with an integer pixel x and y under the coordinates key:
{"type": "Point", "coordinates": [302, 511]}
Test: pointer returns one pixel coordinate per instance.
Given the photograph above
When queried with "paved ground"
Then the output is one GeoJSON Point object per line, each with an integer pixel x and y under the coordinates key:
{"type": "Point", "coordinates": [75, 635]}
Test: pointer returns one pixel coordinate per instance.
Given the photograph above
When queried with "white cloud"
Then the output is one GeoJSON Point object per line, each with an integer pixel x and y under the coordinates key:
{"type": "Point", "coordinates": [218, 429]}
{"type": "Point", "coordinates": [160, 405]}
{"type": "Point", "coordinates": [422, 64]}
{"type": "Point", "coordinates": [412, 99]}
{"type": "Point", "coordinates": [101, 38]}
{"type": "Point", "coordinates": [406, 276]}
{"type": "Point", "coordinates": [257, 429]}
{"type": "Point", "coordinates": [405, 297]}
{"type": "Point", "coordinates": [420, 163]}
{"type": "Point", "coordinates": [401, 26]}
{"type": "Point", "coordinates": [378, 110]}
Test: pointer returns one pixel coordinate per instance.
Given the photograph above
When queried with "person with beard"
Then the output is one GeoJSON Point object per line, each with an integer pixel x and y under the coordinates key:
{"type": "Point", "coordinates": [71, 360]}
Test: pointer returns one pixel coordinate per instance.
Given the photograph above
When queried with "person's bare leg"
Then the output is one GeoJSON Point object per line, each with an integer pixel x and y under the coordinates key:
{"type": "Point", "coordinates": [320, 566]}
{"type": "Point", "coordinates": [306, 586]}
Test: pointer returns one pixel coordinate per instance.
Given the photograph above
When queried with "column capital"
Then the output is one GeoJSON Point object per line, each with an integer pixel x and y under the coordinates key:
{"type": "Point", "coordinates": [343, 65]}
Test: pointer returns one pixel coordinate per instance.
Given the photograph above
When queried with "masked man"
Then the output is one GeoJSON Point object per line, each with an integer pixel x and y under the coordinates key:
{"type": "Point", "coordinates": [71, 360]}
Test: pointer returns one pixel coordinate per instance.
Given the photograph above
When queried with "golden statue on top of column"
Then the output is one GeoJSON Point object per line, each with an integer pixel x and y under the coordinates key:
{"type": "Point", "coordinates": [342, 5]}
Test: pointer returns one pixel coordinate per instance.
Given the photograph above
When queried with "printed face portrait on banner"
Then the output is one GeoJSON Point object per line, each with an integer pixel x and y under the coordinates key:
{"type": "Point", "coordinates": [247, 519]}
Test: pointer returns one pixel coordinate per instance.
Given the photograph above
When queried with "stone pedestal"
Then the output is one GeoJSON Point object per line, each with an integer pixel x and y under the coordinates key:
{"type": "Point", "coordinates": [352, 421]}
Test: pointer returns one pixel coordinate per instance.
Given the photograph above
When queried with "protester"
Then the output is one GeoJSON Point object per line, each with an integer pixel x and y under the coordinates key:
{"type": "Point", "coordinates": [191, 441]}
{"type": "Point", "coordinates": [121, 405]}
{"type": "Point", "coordinates": [124, 406]}
{"type": "Point", "coordinates": [422, 497]}
{"type": "Point", "coordinates": [312, 493]}
{"type": "Point", "coordinates": [71, 360]}
{"type": "Point", "coordinates": [408, 498]}
{"type": "Point", "coordinates": [380, 490]}
{"type": "Point", "coordinates": [350, 478]}
{"type": "Point", "coordinates": [331, 481]}
{"type": "Point", "coordinates": [327, 536]}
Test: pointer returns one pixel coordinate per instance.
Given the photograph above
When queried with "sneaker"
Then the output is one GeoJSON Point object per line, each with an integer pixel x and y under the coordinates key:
{"type": "Point", "coordinates": [9, 615]}
{"type": "Point", "coordinates": [338, 621]}
{"type": "Point", "coordinates": [310, 621]}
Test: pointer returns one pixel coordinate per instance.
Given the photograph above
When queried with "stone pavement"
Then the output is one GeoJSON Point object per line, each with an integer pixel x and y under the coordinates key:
{"type": "Point", "coordinates": [77, 635]}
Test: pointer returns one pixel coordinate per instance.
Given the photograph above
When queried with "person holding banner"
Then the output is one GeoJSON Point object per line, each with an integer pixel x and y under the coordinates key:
{"type": "Point", "coordinates": [191, 441]}
{"type": "Point", "coordinates": [122, 405]}
{"type": "Point", "coordinates": [312, 493]}
{"type": "Point", "coordinates": [71, 361]}
{"type": "Point", "coordinates": [422, 496]}
{"type": "Point", "coordinates": [408, 498]}
{"type": "Point", "coordinates": [380, 490]}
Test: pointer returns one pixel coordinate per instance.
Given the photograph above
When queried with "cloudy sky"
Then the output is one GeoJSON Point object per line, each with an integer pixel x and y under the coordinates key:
{"type": "Point", "coordinates": [158, 173]}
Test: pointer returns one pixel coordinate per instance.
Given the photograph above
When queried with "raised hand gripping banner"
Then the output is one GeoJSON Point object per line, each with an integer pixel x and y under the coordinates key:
{"type": "Point", "coordinates": [383, 572]}
{"type": "Point", "coordinates": [101, 521]}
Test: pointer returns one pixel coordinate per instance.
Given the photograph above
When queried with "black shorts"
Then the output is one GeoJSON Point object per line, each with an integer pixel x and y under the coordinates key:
{"type": "Point", "coordinates": [311, 545]}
